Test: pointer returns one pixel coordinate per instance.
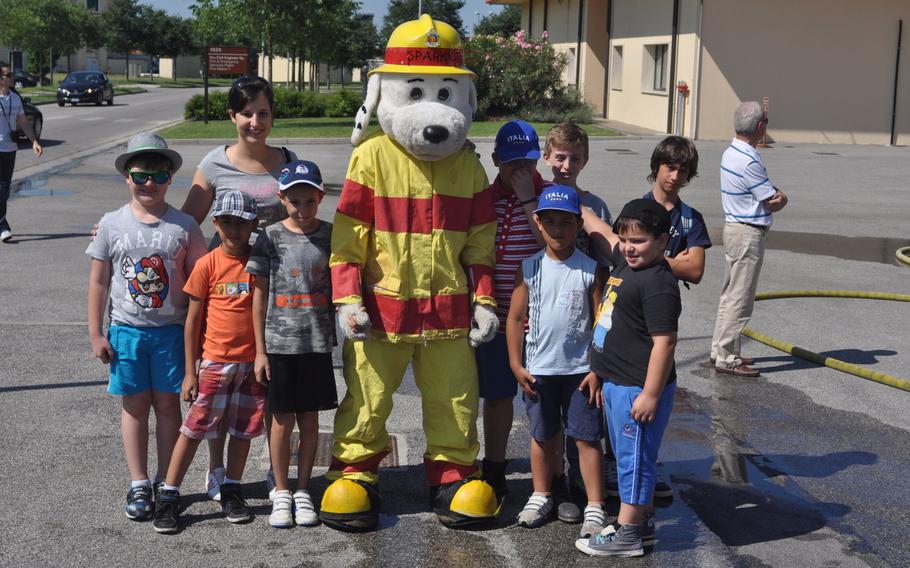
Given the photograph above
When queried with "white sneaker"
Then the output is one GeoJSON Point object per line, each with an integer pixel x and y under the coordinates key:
{"type": "Point", "coordinates": [282, 505]}
{"type": "Point", "coordinates": [594, 521]}
{"type": "Point", "coordinates": [538, 510]}
{"type": "Point", "coordinates": [5, 236]}
{"type": "Point", "coordinates": [213, 481]}
{"type": "Point", "coordinates": [304, 510]}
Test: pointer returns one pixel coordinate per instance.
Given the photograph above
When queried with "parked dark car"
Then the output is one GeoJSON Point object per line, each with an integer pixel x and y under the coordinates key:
{"type": "Point", "coordinates": [33, 115]}
{"type": "Point", "coordinates": [85, 87]}
{"type": "Point", "coordinates": [24, 79]}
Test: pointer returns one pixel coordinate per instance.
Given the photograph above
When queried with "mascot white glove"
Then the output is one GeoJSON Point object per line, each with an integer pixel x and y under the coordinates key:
{"type": "Point", "coordinates": [487, 325]}
{"type": "Point", "coordinates": [355, 322]}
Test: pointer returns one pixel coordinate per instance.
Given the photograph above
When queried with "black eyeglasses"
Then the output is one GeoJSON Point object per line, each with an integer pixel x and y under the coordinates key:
{"type": "Point", "coordinates": [140, 178]}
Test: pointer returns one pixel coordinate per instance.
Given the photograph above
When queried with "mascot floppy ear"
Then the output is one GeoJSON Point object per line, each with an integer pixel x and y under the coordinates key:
{"type": "Point", "coordinates": [369, 107]}
{"type": "Point", "coordinates": [473, 99]}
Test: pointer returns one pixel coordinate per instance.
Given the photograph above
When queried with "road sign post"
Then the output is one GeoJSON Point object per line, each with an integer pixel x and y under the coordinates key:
{"type": "Point", "coordinates": [223, 61]}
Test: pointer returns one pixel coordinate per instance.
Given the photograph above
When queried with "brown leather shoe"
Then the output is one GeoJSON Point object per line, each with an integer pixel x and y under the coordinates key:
{"type": "Point", "coordinates": [745, 360]}
{"type": "Point", "coordinates": [740, 371]}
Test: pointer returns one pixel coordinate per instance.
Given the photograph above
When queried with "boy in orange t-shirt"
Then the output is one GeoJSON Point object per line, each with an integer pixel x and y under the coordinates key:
{"type": "Point", "coordinates": [221, 315]}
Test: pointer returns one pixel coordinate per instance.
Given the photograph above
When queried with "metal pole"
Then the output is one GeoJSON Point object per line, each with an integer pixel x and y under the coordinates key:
{"type": "Point", "coordinates": [205, 87]}
{"type": "Point", "coordinates": [897, 69]}
{"type": "Point", "coordinates": [419, 8]}
{"type": "Point", "coordinates": [674, 34]}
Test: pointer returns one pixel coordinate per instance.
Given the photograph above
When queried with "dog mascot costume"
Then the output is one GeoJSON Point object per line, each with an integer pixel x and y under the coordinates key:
{"type": "Point", "coordinates": [412, 257]}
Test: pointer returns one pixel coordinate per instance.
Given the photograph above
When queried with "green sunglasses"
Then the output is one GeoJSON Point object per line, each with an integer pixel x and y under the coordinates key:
{"type": "Point", "coordinates": [141, 178]}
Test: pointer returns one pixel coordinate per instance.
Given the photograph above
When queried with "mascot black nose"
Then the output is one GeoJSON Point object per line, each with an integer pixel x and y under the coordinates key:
{"type": "Point", "coordinates": [435, 134]}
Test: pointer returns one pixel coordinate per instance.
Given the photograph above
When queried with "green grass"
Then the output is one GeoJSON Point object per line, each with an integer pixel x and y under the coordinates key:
{"type": "Point", "coordinates": [331, 128]}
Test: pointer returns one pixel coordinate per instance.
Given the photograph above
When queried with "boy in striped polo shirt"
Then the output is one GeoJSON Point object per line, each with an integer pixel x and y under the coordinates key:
{"type": "Point", "coordinates": [515, 192]}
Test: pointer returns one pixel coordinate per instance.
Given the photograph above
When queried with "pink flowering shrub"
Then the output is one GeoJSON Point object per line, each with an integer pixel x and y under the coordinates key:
{"type": "Point", "coordinates": [515, 75]}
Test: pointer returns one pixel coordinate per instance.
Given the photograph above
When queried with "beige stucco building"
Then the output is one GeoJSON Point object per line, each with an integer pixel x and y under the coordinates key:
{"type": "Point", "coordinates": [828, 67]}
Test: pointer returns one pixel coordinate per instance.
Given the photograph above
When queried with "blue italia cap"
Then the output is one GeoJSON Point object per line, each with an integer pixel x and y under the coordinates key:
{"type": "Point", "coordinates": [559, 198]}
{"type": "Point", "coordinates": [517, 140]}
{"type": "Point", "coordinates": [300, 171]}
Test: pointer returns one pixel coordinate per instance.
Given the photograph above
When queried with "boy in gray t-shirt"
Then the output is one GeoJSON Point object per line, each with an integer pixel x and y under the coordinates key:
{"type": "Point", "coordinates": [141, 257]}
{"type": "Point", "coordinates": [294, 325]}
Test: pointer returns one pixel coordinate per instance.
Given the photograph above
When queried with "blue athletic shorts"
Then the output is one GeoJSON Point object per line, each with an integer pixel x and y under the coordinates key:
{"type": "Point", "coordinates": [635, 445]}
{"type": "Point", "coordinates": [493, 370]}
{"type": "Point", "coordinates": [559, 404]}
{"type": "Point", "coordinates": [146, 358]}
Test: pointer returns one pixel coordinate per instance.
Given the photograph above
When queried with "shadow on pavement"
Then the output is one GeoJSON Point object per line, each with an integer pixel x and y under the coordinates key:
{"type": "Point", "coordinates": [48, 386]}
{"type": "Point", "coordinates": [854, 356]}
{"type": "Point", "coordinates": [51, 237]}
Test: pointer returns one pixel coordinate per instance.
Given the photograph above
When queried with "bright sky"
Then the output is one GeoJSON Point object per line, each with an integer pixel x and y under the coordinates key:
{"type": "Point", "coordinates": [473, 9]}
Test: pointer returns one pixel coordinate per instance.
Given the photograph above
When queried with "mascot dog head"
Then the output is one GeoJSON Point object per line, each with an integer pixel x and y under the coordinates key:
{"type": "Point", "coordinates": [423, 95]}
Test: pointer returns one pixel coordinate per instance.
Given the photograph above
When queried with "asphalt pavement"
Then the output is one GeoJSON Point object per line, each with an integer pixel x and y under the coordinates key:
{"type": "Point", "coordinates": [801, 467]}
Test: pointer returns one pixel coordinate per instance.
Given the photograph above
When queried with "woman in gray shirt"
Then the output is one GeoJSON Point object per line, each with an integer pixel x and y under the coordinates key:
{"type": "Point", "coordinates": [250, 165]}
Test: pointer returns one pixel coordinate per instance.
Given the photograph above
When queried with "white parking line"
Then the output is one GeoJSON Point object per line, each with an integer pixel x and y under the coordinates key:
{"type": "Point", "coordinates": [122, 120]}
{"type": "Point", "coordinates": [90, 118]}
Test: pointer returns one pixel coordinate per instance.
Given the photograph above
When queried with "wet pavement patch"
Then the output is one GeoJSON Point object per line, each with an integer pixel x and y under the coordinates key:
{"type": "Point", "coordinates": [869, 249]}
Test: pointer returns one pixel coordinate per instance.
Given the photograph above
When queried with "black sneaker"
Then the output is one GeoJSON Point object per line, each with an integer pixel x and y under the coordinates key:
{"type": "Point", "coordinates": [662, 489]}
{"type": "Point", "coordinates": [139, 503]}
{"type": "Point", "coordinates": [232, 504]}
{"type": "Point", "coordinates": [167, 511]}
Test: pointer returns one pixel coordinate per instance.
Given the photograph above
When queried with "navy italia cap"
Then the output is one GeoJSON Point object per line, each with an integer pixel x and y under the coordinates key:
{"type": "Point", "coordinates": [559, 198]}
{"type": "Point", "coordinates": [235, 203]}
{"type": "Point", "coordinates": [300, 171]}
{"type": "Point", "coordinates": [517, 140]}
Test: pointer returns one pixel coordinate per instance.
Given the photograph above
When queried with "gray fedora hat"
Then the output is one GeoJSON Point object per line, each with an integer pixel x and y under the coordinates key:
{"type": "Point", "coordinates": [147, 143]}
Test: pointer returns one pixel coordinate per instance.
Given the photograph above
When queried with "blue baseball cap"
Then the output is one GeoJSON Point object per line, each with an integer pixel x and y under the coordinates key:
{"type": "Point", "coordinates": [517, 140]}
{"type": "Point", "coordinates": [300, 171]}
{"type": "Point", "coordinates": [559, 198]}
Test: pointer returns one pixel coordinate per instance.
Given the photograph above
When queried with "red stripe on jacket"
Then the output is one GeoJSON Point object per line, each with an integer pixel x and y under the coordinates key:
{"type": "Point", "coordinates": [345, 280]}
{"type": "Point", "coordinates": [422, 215]}
{"type": "Point", "coordinates": [415, 315]}
{"type": "Point", "coordinates": [356, 201]}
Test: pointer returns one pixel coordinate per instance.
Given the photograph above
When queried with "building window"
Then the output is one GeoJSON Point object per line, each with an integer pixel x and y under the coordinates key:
{"type": "Point", "coordinates": [654, 70]}
{"type": "Point", "coordinates": [616, 69]}
{"type": "Point", "coordinates": [92, 5]}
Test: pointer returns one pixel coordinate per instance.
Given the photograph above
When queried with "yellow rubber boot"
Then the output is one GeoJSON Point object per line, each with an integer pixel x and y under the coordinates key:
{"type": "Point", "coordinates": [465, 504]}
{"type": "Point", "coordinates": [351, 506]}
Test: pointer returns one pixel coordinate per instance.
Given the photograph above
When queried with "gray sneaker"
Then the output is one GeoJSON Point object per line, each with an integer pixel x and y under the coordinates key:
{"type": "Point", "coordinates": [648, 530]}
{"type": "Point", "coordinates": [625, 542]}
{"type": "Point", "coordinates": [594, 521]}
{"type": "Point", "coordinates": [537, 511]}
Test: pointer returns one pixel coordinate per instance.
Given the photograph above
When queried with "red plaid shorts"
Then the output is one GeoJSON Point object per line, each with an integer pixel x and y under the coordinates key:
{"type": "Point", "coordinates": [226, 389]}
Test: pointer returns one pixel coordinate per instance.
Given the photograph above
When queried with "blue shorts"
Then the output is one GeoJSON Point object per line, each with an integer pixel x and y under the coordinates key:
{"type": "Point", "coordinates": [146, 358]}
{"type": "Point", "coordinates": [560, 405]}
{"type": "Point", "coordinates": [635, 445]}
{"type": "Point", "coordinates": [493, 370]}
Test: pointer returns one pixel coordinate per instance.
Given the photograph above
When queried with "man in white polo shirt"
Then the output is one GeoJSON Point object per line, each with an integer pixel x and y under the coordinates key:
{"type": "Point", "coordinates": [749, 201]}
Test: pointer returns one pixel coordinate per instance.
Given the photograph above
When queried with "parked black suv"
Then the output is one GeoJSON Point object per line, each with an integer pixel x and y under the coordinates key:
{"type": "Point", "coordinates": [85, 87]}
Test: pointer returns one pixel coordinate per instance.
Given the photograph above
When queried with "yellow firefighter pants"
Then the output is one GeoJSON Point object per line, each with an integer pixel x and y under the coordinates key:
{"type": "Point", "coordinates": [446, 375]}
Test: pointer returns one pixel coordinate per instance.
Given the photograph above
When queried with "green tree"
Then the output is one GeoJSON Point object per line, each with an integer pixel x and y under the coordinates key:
{"type": "Point", "coordinates": [123, 28]}
{"type": "Point", "coordinates": [401, 11]}
{"type": "Point", "coordinates": [44, 27]}
{"type": "Point", "coordinates": [178, 40]}
{"type": "Point", "coordinates": [503, 23]}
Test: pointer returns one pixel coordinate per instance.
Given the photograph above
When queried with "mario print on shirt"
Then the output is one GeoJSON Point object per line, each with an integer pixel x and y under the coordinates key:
{"type": "Point", "coordinates": [147, 280]}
